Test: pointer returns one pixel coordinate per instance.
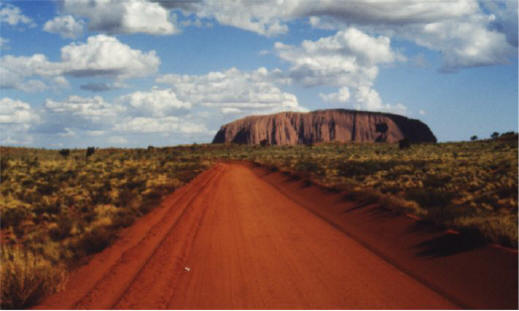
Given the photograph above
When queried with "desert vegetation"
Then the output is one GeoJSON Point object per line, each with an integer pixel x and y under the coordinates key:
{"type": "Point", "coordinates": [469, 186]}
{"type": "Point", "coordinates": [60, 206]}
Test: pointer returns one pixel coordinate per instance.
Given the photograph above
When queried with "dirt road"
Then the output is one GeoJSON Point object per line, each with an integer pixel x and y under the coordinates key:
{"type": "Point", "coordinates": [231, 240]}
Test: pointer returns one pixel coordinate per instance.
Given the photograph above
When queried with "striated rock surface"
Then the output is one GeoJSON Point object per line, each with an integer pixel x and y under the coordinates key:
{"type": "Point", "coordinates": [340, 125]}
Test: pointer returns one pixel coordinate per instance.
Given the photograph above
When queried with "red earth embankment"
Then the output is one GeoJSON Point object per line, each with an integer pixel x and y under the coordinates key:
{"type": "Point", "coordinates": [238, 237]}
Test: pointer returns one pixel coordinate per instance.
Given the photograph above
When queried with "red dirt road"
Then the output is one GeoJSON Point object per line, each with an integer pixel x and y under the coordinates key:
{"type": "Point", "coordinates": [246, 245]}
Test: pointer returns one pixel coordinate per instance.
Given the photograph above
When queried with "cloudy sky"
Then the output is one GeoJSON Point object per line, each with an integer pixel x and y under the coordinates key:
{"type": "Point", "coordinates": [134, 73]}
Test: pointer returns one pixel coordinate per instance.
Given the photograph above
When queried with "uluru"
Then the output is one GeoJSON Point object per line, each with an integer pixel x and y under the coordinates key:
{"type": "Point", "coordinates": [338, 125]}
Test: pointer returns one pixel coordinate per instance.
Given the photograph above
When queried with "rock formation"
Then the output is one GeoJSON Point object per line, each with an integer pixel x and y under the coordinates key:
{"type": "Point", "coordinates": [340, 125]}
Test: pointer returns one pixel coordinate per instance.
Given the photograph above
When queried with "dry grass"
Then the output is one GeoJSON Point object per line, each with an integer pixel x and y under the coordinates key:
{"type": "Point", "coordinates": [25, 278]}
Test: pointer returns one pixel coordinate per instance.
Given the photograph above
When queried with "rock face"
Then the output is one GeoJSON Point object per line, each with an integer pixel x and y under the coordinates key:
{"type": "Point", "coordinates": [340, 125]}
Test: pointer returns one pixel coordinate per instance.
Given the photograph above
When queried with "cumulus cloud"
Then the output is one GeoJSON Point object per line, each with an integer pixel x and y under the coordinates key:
{"type": "Point", "coordinates": [362, 97]}
{"type": "Point", "coordinates": [115, 16]}
{"type": "Point", "coordinates": [66, 26]}
{"type": "Point", "coordinates": [341, 96]}
{"type": "Point", "coordinates": [254, 91]}
{"type": "Point", "coordinates": [15, 72]}
{"type": "Point", "coordinates": [464, 34]}
{"type": "Point", "coordinates": [270, 17]}
{"type": "Point", "coordinates": [263, 17]}
{"type": "Point", "coordinates": [13, 16]}
{"type": "Point", "coordinates": [466, 43]}
{"type": "Point", "coordinates": [505, 21]}
{"type": "Point", "coordinates": [348, 60]}
{"type": "Point", "coordinates": [192, 107]}
{"type": "Point", "coordinates": [157, 102]}
{"type": "Point", "coordinates": [169, 124]}
{"type": "Point", "coordinates": [105, 55]}
{"type": "Point", "coordinates": [461, 30]}
{"type": "Point", "coordinates": [16, 112]}
{"type": "Point", "coordinates": [101, 55]}
{"type": "Point", "coordinates": [16, 119]}
{"type": "Point", "coordinates": [88, 108]}
{"type": "Point", "coordinates": [350, 57]}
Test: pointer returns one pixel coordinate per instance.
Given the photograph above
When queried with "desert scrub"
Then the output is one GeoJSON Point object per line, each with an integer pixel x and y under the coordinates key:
{"type": "Point", "coordinates": [25, 278]}
{"type": "Point", "coordinates": [465, 185]}
{"type": "Point", "coordinates": [62, 209]}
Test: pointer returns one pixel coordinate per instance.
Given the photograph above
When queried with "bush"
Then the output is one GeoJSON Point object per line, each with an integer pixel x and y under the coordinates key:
{"type": "Point", "coordinates": [12, 216]}
{"type": "Point", "coordinates": [404, 143]}
{"type": "Point", "coordinates": [95, 240]}
{"type": "Point", "coordinates": [64, 152]}
{"type": "Point", "coordinates": [430, 197]}
{"type": "Point", "coordinates": [27, 278]}
{"type": "Point", "coordinates": [90, 151]}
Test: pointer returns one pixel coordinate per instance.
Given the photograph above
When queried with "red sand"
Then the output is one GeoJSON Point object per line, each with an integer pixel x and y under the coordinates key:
{"type": "Point", "coordinates": [231, 239]}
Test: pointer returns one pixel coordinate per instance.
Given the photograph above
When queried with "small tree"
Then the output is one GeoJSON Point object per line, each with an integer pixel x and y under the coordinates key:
{"type": "Point", "coordinates": [474, 138]}
{"type": "Point", "coordinates": [264, 143]}
{"type": "Point", "coordinates": [404, 143]}
{"type": "Point", "coordinates": [494, 135]}
{"type": "Point", "coordinates": [90, 151]}
{"type": "Point", "coordinates": [64, 153]}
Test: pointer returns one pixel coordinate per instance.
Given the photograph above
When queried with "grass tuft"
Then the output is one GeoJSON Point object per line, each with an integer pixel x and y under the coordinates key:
{"type": "Point", "coordinates": [25, 278]}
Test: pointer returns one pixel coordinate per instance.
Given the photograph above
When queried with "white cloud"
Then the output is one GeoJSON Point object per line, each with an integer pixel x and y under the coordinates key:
{"type": "Point", "coordinates": [341, 96]}
{"type": "Point", "coordinates": [229, 110]}
{"type": "Point", "coordinates": [4, 43]}
{"type": "Point", "coordinates": [263, 17]}
{"type": "Point", "coordinates": [88, 108]}
{"type": "Point", "coordinates": [115, 16]}
{"type": "Point", "coordinates": [101, 55]}
{"type": "Point", "coordinates": [270, 17]}
{"type": "Point", "coordinates": [16, 112]}
{"type": "Point", "coordinates": [60, 82]}
{"type": "Point", "coordinates": [350, 57]}
{"type": "Point", "coordinates": [362, 98]}
{"type": "Point", "coordinates": [169, 124]}
{"type": "Point", "coordinates": [105, 55]}
{"type": "Point", "coordinates": [156, 103]}
{"type": "Point", "coordinates": [13, 16]}
{"type": "Point", "coordinates": [66, 26]}
{"type": "Point", "coordinates": [505, 13]}
{"type": "Point", "coordinates": [68, 133]}
{"type": "Point", "coordinates": [459, 29]}
{"type": "Point", "coordinates": [117, 140]}
{"type": "Point", "coordinates": [254, 91]}
{"type": "Point", "coordinates": [463, 44]}
{"type": "Point", "coordinates": [348, 60]}
{"type": "Point", "coordinates": [14, 70]}
{"type": "Point", "coordinates": [16, 119]}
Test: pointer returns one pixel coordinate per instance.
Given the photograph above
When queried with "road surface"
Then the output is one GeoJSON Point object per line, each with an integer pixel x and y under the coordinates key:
{"type": "Point", "coordinates": [231, 240]}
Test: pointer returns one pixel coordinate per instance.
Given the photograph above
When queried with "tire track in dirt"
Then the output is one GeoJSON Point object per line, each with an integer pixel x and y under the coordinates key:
{"type": "Point", "coordinates": [247, 246]}
{"type": "Point", "coordinates": [87, 287]}
{"type": "Point", "coordinates": [155, 281]}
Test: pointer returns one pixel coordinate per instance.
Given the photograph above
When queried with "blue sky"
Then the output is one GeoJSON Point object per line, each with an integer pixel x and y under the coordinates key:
{"type": "Point", "coordinates": [75, 73]}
